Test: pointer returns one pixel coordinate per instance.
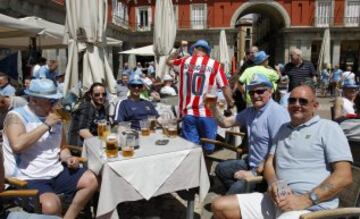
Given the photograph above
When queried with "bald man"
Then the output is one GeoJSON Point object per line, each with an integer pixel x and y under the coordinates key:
{"type": "Point", "coordinates": [311, 155]}
{"type": "Point", "coordinates": [298, 70]}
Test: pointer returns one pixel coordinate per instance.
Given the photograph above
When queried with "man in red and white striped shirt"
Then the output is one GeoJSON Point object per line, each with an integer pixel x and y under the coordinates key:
{"type": "Point", "coordinates": [198, 74]}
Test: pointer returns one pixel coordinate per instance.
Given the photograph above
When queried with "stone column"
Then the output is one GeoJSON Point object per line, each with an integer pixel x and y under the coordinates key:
{"type": "Point", "coordinates": [336, 50]}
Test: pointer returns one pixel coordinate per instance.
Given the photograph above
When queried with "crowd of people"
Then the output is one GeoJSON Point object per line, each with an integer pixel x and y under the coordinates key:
{"type": "Point", "coordinates": [276, 107]}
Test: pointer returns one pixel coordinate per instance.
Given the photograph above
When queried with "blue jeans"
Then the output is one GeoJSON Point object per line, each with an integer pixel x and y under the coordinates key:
{"type": "Point", "coordinates": [226, 170]}
{"type": "Point", "coordinates": [194, 128]}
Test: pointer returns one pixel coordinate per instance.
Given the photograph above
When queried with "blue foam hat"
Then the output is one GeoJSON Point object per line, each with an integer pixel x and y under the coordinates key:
{"type": "Point", "coordinates": [259, 80]}
{"type": "Point", "coordinates": [200, 43]}
{"type": "Point", "coordinates": [260, 57]}
{"type": "Point", "coordinates": [43, 88]}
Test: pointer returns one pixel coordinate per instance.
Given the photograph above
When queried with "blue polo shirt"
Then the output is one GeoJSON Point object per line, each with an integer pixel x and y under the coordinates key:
{"type": "Point", "coordinates": [134, 111]}
{"type": "Point", "coordinates": [304, 155]}
{"type": "Point", "coordinates": [262, 126]}
{"type": "Point", "coordinates": [7, 90]}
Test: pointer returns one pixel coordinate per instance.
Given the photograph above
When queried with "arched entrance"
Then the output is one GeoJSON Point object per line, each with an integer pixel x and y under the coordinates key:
{"type": "Point", "coordinates": [271, 19]}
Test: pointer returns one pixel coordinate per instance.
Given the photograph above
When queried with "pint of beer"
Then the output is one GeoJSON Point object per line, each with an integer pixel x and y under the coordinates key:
{"type": "Point", "coordinates": [111, 148]}
{"type": "Point", "coordinates": [172, 130]}
{"type": "Point", "coordinates": [102, 129]}
{"type": "Point", "coordinates": [145, 127]}
{"type": "Point", "coordinates": [152, 121]}
{"type": "Point", "coordinates": [128, 148]}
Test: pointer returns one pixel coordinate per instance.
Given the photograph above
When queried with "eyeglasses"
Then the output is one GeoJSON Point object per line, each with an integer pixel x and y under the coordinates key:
{"type": "Point", "coordinates": [302, 101]}
{"type": "Point", "coordinates": [258, 92]}
{"type": "Point", "coordinates": [98, 94]}
{"type": "Point", "coordinates": [136, 86]}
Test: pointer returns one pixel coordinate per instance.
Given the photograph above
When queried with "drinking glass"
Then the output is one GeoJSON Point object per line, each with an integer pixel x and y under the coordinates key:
{"type": "Point", "coordinates": [111, 148]}
{"type": "Point", "coordinates": [145, 127]}
{"type": "Point", "coordinates": [64, 114]}
{"type": "Point", "coordinates": [152, 121]}
{"type": "Point", "coordinates": [103, 129]}
{"type": "Point", "coordinates": [172, 129]}
{"type": "Point", "coordinates": [128, 148]}
{"type": "Point", "coordinates": [282, 188]}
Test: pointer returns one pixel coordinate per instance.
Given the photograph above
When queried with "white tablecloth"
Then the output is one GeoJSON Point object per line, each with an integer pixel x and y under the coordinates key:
{"type": "Point", "coordinates": [154, 170]}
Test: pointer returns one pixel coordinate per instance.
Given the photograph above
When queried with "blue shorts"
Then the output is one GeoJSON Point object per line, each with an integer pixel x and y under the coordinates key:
{"type": "Point", "coordinates": [194, 128]}
{"type": "Point", "coordinates": [64, 183]}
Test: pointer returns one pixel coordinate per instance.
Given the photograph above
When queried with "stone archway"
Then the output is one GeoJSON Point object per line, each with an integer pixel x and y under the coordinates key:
{"type": "Point", "coordinates": [251, 7]}
{"type": "Point", "coordinates": [278, 18]}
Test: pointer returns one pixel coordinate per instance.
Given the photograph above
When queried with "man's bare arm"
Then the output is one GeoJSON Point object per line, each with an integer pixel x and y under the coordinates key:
{"type": "Point", "coordinates": [85, 133]}
{"type": "Point", "coordinates": [19, 139]}
{"type": "Point", "coordinates": [223, 121]}
{"type": "Point", "coordinates": [269, 170]}
{"type": "Point", "coordinates": [228, 95]}
{"type": "Point", "coordinates": [340, 178]}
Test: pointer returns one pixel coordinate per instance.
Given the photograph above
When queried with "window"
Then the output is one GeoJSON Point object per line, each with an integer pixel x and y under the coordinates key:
{"type": "Point", "coordinates": [144, 19]}
{"type": "Point", "coordinates": [352, 13]}
{"type": "Point", "coordinates": [198, 16]}
{"type": "Point", "coordinates": [248, 33]}
{"type": "Point", "coordinates": [324, 13]}
{"type": "Point", "coordinates": [120, 14]}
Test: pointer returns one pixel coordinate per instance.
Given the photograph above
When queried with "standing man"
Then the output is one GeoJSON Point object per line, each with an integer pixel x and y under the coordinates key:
{"type": "Point", "coordinates": [262, 122]}
{"type": "Point", "coordinates": [6, 89]}
{"type": "Point", "coordinates": [198, 75]}
{"type": "Point", "coordinates": [335, 81]}
{"type": "Point", "coordinates": [48, 71]}
{"type": "Point", "coordinates": [298, 69]}
{"type": "Point", "coordinates": [122, 89]}
{"type": "Point", "coordinates": [310, 154]}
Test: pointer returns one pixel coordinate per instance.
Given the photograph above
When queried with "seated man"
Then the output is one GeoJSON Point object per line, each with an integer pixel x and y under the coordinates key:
{"type": "Point", "coordinates": [262, 122]}
{"type": "Point", "coordinates": [16, 214]}
{"type": "Point", "coordinates": [33, 151]}
{"type": "Point", "coordinates": [167, 89]}
{"type": "Point", "coordinates": [310, 154]}
{"type": "Point", "coordinates": [6, 89]}
{"type": "Point", "coordinates": [134, 108]}
{"type": "Point", "coordinates": [85, 117]}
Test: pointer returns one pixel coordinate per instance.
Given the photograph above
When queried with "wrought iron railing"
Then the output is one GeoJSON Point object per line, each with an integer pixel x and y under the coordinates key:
{"type": "Point", "coordinates": [352, 21]}
{"type": "Point", "coordinates": [120, 21]}
{"type": "Point", "coordinates": [323, 21]}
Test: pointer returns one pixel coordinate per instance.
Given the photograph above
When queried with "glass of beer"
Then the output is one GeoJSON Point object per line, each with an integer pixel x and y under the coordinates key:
{"type": "Point", "coordinates": [103, 129]}
{"type": "Point", "coordinates": [64, 114]}
{"type": "Point", "coordinates": [221, 104]}
{"type": "Point", "coordinates": [152, 121]}
{"type": "Point", "coordinates": [211, 96]}
{"type": "Point", "coordinates": [145, 127]}
{"type": "Point", "coordinates": [111, 148]}
{"type": "Point", "coordinates": [128, 148]}
{"type": "Point", "coordinates": [172, 129]}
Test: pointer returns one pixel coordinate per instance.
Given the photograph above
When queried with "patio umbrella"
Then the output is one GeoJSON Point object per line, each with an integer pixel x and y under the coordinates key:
{"type": "Point", "coordinates": [224, 57]}
{"type": "Point", "coordinates": [11, 28]}
{"type": "Point", "coordinates": [132, 61]}
{"type": "Point", "coordinates": [164, 33]}
{"type": "Point", "coordinates": [324, 55]}
{"type": "Point", "coordinates": [85, 33]}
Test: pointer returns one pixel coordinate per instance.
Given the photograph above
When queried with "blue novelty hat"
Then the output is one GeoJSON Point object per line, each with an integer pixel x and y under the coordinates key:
{"type": "Point", "coordinates": [200, 43]}
{"type": "Point", "coordinates": [260, 57]}
{"type": "Point", "coordinates": [43, 88]}
{"type": "Point", "coordinates": [259, 80]}
{"type": "Point", "coordinates": [135, 79]}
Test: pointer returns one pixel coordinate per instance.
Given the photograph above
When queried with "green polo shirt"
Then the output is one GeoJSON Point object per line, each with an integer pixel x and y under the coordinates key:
{"type": "Point", "coordinates": [247, 76]}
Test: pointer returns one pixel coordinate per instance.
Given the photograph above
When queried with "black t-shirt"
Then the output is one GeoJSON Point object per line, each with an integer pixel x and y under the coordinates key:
{"type": "Point", "coordinates": [85, 116]}
{"type": "Point", "coordinates": [298, 74]}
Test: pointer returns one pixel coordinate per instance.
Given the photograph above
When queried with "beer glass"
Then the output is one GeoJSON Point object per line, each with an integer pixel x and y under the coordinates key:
{"type": "Point", "coordinates": [64, 114]}
{"type": "Point", "coordinates": [164, 119]}
{"type": "Point", "coordinates": [111, 148]}
{"type": "Point", "coordinates": [282, 188]}
{"type": "Point", "coordinates": [221, 104]}
{"type": "Point", "coordinates": [211, 96]}
{"type": "Point", "coordinates": [172, 130]}
{"type": "Point", "coordinates": [145, 127]}
{"type": "Point", "coordinates": [152, 121]}
{"type": "Point", "coordinates": [128, 148]}
{"type": "Point", "coordinates": [103, 129]}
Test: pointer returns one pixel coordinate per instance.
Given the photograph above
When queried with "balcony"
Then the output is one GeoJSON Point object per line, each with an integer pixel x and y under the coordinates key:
{"type": "Point", "coordinates": [352, 21]}
{"type": "Point", "coordinates": [198, 24]}
{"type": "Point", "coordinates": [120, 21]}
{"type": "Point", "coordinates": [324, 21]}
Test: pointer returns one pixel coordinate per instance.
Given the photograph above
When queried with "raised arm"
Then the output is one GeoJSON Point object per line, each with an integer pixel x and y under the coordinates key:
{"type": "Point", "coordinates": [222, 121]}
{"type": "Point", "coordinates": [19, 139]}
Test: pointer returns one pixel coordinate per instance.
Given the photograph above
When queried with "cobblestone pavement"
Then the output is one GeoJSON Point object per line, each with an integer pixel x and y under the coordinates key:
{"type": "Point", "coordinates": [171, 206]}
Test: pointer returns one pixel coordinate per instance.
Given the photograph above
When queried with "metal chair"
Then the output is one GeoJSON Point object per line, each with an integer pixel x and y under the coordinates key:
{"type": "Point", "coordinates": [349, 202]}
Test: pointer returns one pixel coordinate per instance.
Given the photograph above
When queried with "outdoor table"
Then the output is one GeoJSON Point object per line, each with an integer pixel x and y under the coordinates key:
{"type": "Point", "coordinates": [152, 171]}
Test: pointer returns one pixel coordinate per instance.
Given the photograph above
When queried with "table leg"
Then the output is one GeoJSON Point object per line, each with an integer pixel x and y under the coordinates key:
{"type": "Point", "coordinates": [190, 208]}
{"type": "Point", "coordinates": [189, 196]}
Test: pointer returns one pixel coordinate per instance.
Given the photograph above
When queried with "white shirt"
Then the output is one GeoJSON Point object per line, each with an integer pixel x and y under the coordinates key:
{"type": "Point", "coordinates": [40, 160]}
{"type": "Point", "coordinates": [348, 107]}
{"type": "Point", "coordinates": [348, 75]}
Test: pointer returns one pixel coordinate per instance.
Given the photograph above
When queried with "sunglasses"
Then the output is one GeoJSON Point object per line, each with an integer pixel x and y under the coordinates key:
{"type": "Point", "coordinates": [302, 101]}
{"type": "Point", "coordinates": [136, 86]}
{"type": "Point", "coordinates": [53, 101]}
{"type": "Point", "coordinates": [258, 92]}
{"type": "Point", "coordinates": [98, 94]}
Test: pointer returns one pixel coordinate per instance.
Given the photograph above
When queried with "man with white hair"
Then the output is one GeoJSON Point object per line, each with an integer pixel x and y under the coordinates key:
{"type": "Point", "coordinates": [167, 89]}
{"type": "Point", "coordinates": [298, 69]}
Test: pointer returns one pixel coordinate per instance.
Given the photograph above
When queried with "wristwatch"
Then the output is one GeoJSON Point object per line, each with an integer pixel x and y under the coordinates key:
{"type": "Point", "coordinates": [314, 198]}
